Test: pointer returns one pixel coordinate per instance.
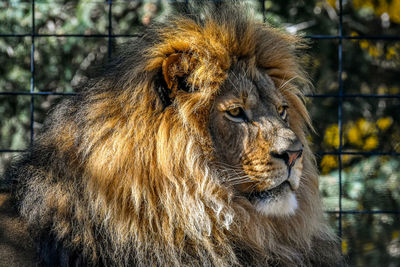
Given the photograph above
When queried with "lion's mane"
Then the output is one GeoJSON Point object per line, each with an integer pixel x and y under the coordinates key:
{"type": "Point", "coordinates": [122, 173]}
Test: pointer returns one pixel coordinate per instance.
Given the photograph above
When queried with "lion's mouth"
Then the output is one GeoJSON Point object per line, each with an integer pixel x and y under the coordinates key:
{"type": "Point", "coordinates": [271, 193]}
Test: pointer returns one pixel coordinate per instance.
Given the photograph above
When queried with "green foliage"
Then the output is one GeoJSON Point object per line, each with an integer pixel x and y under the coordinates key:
{"type": "Point", "coordinates": [369, 67]}
{"type": "Point", "coordinates": [371, 184]}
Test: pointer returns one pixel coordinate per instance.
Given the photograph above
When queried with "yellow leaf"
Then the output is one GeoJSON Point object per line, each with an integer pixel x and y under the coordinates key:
{"type": "Point", "coordinates": [395, 235]}
{"type": "Point", "coordinates": [394, 11]}
{"type": "Point", "coordinates": [365, 127]}
{"type": "Point", "coordinates": [344, 246]}
{"type": "Point", "coordinates": [331, 137]}
{"type": "Point", "coordinates": [371, 143]}
{"type": "Point", "coordinates": [328, 163]}
{"type": "Point", "coordinates": [384, 123]}
{"type": "Point", "coordinates": [364, 44]}
{"type": "Point", "coordinates": [332, 3]}
{"type": "Point", "coordinates": [354, 136]}
{"type": "Point", "coordinates": [369, 247]}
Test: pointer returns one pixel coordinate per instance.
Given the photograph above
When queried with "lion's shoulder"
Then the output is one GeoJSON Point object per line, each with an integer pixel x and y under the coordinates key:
{"type": "Point", "coordinates": [16, 245]}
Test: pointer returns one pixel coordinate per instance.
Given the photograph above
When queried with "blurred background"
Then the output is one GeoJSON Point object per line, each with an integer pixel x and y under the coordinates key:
{"type": "Point", "coordinates": [48, 46]}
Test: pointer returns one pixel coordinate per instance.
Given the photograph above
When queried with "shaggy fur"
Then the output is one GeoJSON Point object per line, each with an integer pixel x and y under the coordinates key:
{"type": "Point", "coordinates": [126, 172]}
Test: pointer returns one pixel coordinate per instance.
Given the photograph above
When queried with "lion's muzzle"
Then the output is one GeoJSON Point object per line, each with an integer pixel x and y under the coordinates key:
{"type": "Point", "coordinates": [289, 157]}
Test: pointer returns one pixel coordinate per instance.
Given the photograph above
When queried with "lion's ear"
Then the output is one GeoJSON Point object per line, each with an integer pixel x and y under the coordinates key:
{"type": "Point", "coordinates": [175, 70]}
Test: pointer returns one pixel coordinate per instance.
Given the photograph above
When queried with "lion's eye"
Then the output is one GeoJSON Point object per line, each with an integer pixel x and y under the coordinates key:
{"type": "Point", "coordinates": [282, 110]}
{"type": "Point", "coordinates": [236, 114]}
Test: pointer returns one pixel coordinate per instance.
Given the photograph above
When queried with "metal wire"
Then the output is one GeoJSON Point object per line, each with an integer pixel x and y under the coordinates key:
{"type": "Point", "coordinates": [340, 112]}
{"type": "Point", "coordinates": [341, 95]}
{"type": "Point", "coordinates": [32, 87]}
{"type": "Point", "coordinates": [109, 2]}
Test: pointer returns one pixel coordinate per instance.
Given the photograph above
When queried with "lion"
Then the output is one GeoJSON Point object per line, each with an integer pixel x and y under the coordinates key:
{"type": "Point", "coordinates": [190, 149]}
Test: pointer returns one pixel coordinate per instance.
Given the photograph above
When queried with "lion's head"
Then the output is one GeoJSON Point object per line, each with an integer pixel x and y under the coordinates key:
{"type": "Point", "coordinates": [190, 150]}
{"type": "Point", "coordinates": [250, 125]}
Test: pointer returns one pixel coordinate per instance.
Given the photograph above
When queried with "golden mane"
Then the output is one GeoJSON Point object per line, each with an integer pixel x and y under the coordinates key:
{"type": "Point", "coordinates": [132, 176]}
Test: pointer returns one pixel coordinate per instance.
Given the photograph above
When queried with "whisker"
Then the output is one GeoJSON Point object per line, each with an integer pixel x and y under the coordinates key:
{"type": "Point", "coordinates": [226, 165]}
{"type": "Point", "coordinates": [288, 81]}
{"type": "Point", "coordinates": [234, 175]}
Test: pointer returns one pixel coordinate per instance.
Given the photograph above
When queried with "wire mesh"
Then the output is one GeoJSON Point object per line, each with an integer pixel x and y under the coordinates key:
{"type": "Point", "coordinates": [340, 96]}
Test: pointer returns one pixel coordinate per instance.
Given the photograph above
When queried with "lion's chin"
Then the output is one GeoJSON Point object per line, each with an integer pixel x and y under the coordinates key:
{"type": "Point", "coordinates": [284, 205]}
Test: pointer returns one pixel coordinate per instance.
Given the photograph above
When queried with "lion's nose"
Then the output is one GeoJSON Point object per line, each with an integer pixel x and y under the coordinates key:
{"type": "Point", "coordinates": [289, 156]}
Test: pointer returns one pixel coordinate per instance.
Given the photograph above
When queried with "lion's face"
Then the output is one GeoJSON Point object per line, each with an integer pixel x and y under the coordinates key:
{"type": "Point", "coordinates": [254, 144]}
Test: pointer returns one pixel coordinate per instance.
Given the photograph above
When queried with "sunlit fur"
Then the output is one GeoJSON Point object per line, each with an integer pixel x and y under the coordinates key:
{"type": "Point", "coordinates": [124, 179]}
{"type": "Point", "coordinates": [285, 206]}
